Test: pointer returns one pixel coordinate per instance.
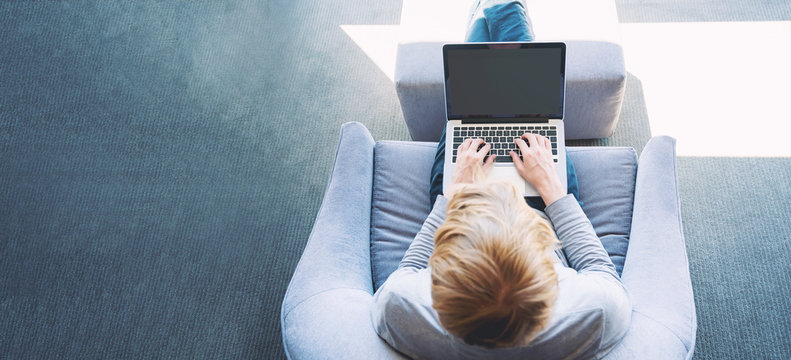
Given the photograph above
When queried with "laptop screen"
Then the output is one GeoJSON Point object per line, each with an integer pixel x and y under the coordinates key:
{"type": "Point", "coordinates": [504, 80]}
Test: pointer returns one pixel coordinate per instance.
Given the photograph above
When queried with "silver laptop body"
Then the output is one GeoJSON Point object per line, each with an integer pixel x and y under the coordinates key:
{"type": "Point", "coordinates": [496, 90]}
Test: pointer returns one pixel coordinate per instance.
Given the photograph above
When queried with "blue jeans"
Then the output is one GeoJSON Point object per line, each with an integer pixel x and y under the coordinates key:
{"type": "Point", "coordinates": [497, 20]}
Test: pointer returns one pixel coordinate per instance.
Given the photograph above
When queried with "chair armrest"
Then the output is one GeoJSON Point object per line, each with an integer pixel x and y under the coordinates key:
{"type": "Point", "coordinates": [656, 270]}
{"type": "Point", "coordinates": [335, 324]}
{"type": "Point", "coordinates": [337, 254]}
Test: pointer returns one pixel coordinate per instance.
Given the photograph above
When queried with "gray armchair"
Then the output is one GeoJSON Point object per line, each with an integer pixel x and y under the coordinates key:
{"type": "Point", "coordinates": [377, 199]}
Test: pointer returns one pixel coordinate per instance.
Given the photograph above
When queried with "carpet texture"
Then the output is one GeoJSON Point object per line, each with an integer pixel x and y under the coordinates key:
{"type": "Point", "coordinates": [161, 164]}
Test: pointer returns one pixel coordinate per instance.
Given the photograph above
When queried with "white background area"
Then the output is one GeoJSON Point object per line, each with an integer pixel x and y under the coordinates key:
{"type": "Point", "coordinates": [711, 84]}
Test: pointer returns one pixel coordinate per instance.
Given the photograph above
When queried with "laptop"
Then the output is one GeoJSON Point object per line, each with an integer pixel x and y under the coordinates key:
{"type": "Point", "coordinates": [497, 92]}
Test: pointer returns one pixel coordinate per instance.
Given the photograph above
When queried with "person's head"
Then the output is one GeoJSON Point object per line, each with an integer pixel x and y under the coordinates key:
{"type": "Point", "coordinates": [493, 282]}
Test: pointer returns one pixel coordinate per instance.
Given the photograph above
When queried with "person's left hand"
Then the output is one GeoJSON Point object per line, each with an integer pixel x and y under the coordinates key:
{"type": "Point", "coordinates": [468, 168]}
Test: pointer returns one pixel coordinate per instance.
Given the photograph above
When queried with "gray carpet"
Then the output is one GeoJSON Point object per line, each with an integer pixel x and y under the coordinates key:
{"type": "Point", "coordinates": [738, 235]}
{"type": "Point", "coordinates": [161, 164]}
{"type": "Point", "coordinates": [150, 206]}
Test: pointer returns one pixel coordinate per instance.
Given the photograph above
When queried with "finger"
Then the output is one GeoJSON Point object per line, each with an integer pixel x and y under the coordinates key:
{"type": "Point", "coordinates": [476, 143]}
{"type": "Point", "coordinates": [547, 144]}
{"type": "Point", "coordinates": [517, 161]}
{"type": "Point", "coordinates": [531, 139]}
{"type": "Point", "coordinates": [465, 144]}
{"type": "Point", "coordinates": [522, 145]}
{"type": "Point", "coordinates": [541, 140]}
{"type": "Point", "coordinates": [485, 149]}
{"type": "Point", "coordinates": [489, 162]}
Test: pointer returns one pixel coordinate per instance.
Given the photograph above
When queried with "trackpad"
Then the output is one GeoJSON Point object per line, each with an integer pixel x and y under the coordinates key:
{"type": "Point", "coordinates": [508, 173]}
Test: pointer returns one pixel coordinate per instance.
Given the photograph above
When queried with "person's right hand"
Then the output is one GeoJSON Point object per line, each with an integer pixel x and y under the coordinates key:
{"type": "Point", "coordinates": [537, 167]}
{"type": "Point", "coordinates": [468, 168]}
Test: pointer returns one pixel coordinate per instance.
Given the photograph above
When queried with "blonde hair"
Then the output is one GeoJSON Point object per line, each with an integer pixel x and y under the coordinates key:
{"type": "Point", "coordinates": [493, 283]}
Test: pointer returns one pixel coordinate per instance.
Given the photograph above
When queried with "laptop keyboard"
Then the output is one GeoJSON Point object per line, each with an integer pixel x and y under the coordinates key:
{"type": "Point", "coordinates": [502, 138]}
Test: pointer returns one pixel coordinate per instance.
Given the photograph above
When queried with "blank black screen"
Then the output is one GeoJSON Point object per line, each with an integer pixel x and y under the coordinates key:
{"type": "Point", "coordinates": [505, 82]}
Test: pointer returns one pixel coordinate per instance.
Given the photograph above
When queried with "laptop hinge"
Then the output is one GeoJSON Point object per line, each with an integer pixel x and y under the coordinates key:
{"type": "Point", "coordinates": [504, 121]}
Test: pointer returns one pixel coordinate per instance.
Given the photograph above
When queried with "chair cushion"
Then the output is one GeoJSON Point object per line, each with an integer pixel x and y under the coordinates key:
{"type": "Point", "coordinates": [400, 201]}
{"type": "Point", "coordinates": [607, 178]}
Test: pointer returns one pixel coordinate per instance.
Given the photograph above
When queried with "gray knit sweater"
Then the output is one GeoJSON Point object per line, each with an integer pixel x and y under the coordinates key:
{"type": "Point", "coordinates": [590, 316]}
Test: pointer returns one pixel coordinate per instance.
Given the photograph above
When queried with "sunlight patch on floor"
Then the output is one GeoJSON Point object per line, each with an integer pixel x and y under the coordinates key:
{"type": "Point", "coordinates": [379, 42]}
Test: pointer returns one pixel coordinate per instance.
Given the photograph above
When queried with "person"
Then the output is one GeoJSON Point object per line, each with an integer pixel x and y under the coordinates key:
{"type": "Point", "coordinates": [487, 277]}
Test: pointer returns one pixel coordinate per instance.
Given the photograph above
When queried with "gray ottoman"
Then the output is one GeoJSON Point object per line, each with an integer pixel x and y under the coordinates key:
{"type": "Point", "coordinates": [595, 72]}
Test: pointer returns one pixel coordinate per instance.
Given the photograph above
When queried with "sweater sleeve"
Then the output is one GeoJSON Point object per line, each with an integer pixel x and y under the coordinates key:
{"type": "Point", "coordinates": [597, 282]}
{"type": "Point", "coordinates": [418, 253]}
{"type": "Point", "coordinates": [583, 248]}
